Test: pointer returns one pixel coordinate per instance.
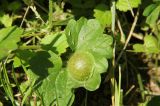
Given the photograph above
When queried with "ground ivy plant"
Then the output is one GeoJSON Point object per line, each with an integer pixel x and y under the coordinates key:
{"type": "Point", "coordinates": [54, 79]}
{"type": "Point", "coordinates": [90, 51]}
{"type": "Point", "coordinates": [91, 48]}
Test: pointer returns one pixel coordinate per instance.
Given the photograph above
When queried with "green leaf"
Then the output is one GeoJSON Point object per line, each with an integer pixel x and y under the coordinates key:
{"type": "Point", "coordinates": [103, 14]}
{"type": "Point", "coordinates": [101, 64]}
{"type": "Point", "coordinates": [101, 46]}
{"type": "Point", "coordinates": [22, 57]}
{"type": "Point", "coordinates": [125, 5]}
{"type": "Point", "coordinates": [72, 30]}
{"type": "Point", "coordinates": [87, 35]}
{"type": "Point", "coordinates": [8, 40]}
{"type": "Point", "coordinates": [6, 20]}
{"type": "Point", "coordinates": [152, 12]}
{"type": "Point", "coordinates": [56, 42]}
{"type": "Point", "coordinates": [89, 32]}
{"type": "Point", "coordinates": [45, 67]}
{"type": "Point", "coordinates": [151, 44]}
{"type": "Point", "coordinates": [138, 48]}
{"type": "Point", "coordinates": [17, 62]}
{"type": "Point", "coordinates": [148, 10]}
{"type": "Point", "coordinates": [91, 84]}
{"type": "Point", "coordinates": [64, 93]}
{"type": "Point", "coordinates": [150, 41]}
{"type": "Point", "coordinates": [94, 82]}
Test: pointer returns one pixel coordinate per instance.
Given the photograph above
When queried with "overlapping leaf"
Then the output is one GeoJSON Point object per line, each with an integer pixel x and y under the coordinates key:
{"type": "Point", "coordinates": [56, 42]}
{"type": "Point", "coordinates": [72, 30]}
{"type": "Point", "coordinates": [150, 45]}
{"type": "Point", "coordinates": [125, 5]}
{"type": "Point", "coordinates": [152, 13]}
{"type": "Point", "coordinates": [44, 68]}
{"type": "Point", "coordinates": [103, 15]}
{"type": "Point", "coordinates": [8, 40]}
{"type": "Point", "coordinates": [88, 36]}
{"type": "Point", "coordinates": [65, 96]}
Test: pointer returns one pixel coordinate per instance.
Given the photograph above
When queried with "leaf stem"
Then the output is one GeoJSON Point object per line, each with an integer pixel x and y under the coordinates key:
{"type": "Point", "coordinates": [24, 16]}
{"type": "Point", "coordinates": [113, 10]}
{"type": "Point", "coordinates": [29, 47]}
{"type": "Point", "coordinates": [50, 13]}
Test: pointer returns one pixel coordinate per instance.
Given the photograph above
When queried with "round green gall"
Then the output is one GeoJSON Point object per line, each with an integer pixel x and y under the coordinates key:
{"type": "Point", "coordinates": [80, 65]}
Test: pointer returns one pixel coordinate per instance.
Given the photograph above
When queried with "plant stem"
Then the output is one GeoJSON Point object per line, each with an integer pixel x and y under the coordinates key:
{"type": "Point", "coordinates": [113, 81]}
{"type": "Point", "coordinates": [29, 47]}
{"type": "Point", "coordinates": [50, 13]}
{"type": "Point", "coordinates": [24, 16]}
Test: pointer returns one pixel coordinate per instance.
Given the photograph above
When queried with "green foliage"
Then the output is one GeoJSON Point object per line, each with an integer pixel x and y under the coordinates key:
{"type": "Point", "coordinates": [56, 42]}
{"type": "Point", "coordinates": [88, 36]}
{"type": "Point", "coordinates": [6, 20]}
{"type": "Point", "coordinates": [65, 95]}
{"type": "Point", "coordinates": [45, 71]}
{"type": "Point", "coordinates": [8, 40]}
{"type": "Point", "coordinates": [150, 45]}
{"type": "Point", "coordinates": [103, 15]}
{"type": "Point", "coordinates": [152, 13]}
{"type": "Point", "coordinates": [125, 5]}
{"type": "Point", "coordinates": [48, 68]}
{"type": "Point", "coordinates": [52, 50]}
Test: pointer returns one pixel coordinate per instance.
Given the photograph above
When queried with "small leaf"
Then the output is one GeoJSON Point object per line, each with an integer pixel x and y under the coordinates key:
{"type": "Point", "coordinates": [22, 57]}
{"type": "Point", "coordinates": [151, 44]}
{"type": "Point", "coordinates": [8, 40]}
{"type": "Point", "coordinates": [101, 64]}
{"type": "Point", "coordinates": [138, 48]}
{"type": "Point", "coordinates": [103, 14]}
{"type": "Point", "coordinates": [56, 42]}
{"type": "Point", "coordinates": [6, 20]}
{"type": "Point", "coordinates": [150, 41]}
{"type": "Point", "coordinates": [152, 12]}
{"type": "Point", "coordinates": [125, 5]}
{"type": "Point", "coordinates": [94, 82]}
{"type": "Point", "coordinates": [148, 10]}
{"type": "Point", "coordinates": [72, 30]}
